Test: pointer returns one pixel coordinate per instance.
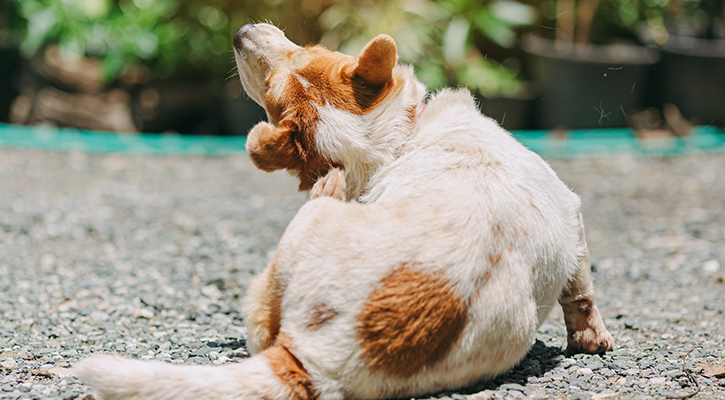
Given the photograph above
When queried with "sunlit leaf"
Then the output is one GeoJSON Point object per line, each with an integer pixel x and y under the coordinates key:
{"type": "Point", "coordinates": [455, 40]}
{"type": "Point", "coordinates": [496, 30]}
{"type": "Point", "coordinates": [513, 12]}
{"type": "Point", "coordinates": [39, 26]}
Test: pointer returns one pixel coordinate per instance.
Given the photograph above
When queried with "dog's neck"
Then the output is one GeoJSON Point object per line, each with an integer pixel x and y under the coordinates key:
{"type": "Point", "coordinates": [362, 144]}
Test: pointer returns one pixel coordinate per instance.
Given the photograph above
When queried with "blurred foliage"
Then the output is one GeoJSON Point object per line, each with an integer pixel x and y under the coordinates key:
{"type": "Point", "coordinates": [690, 17]}
{"type": "Point", "coordinates": [177, 36]}
{"type": "Point", "coordinates": [435, 36]}
{"type": "Point", "coordinates": [616, 19]}
{"type": "Point", "coordinates": [169, 36]}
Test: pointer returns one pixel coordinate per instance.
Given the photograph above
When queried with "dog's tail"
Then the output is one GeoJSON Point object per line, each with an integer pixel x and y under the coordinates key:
{"type": "Point", "coordinates": [274, 374]}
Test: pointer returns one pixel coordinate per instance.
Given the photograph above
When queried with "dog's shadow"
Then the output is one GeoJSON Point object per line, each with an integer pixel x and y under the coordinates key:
{"type": "Point", "coordinates": [540, 359]}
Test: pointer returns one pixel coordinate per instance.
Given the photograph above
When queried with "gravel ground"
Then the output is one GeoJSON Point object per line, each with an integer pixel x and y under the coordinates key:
{"type": "Point", "coordinates": [148, 257]}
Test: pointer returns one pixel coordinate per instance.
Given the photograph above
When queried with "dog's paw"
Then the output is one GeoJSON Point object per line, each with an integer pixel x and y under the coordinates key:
{"type": "Point", "coordinates": [586, 332]}
{"type": "Point", "coordinates": [331, 185]}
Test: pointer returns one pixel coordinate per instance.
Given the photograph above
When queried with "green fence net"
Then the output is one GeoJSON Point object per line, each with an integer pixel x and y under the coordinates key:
{"type": "Point", "coordinates": [576, 143]}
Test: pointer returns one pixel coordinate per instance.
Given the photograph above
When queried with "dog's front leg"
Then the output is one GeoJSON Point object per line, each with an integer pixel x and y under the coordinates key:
{"type": "Point", "coordinates": [586, 332]}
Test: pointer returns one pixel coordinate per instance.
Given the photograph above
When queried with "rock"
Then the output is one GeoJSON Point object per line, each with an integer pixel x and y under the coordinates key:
{"type": "Point", "coordinates": [211, 291]}
{"type": "Point", "coordinates": [10, 364]}
{"type": "Point", "coordinates": [711, 266]}
{"type": "Point", "coordinates": [658, 380]}
{"type": "Point", "coordinates": [61, 372]}
{"type": "Point", "coordinates": [143, 313]}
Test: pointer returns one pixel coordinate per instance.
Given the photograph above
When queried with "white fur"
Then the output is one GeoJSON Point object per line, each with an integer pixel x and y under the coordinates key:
{"type": "Point", "coordinates": [119, 378]}
{"type": "Point", "coordinates": [363, 143]}
{"type": "Point", "coordinates": [456, 177]}
{"type": "Point", "coordinates": [446, 191]}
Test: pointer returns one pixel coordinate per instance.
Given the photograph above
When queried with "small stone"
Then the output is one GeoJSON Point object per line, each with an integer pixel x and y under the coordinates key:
{"type": "Point", "coordinates": [143, 313]}
{"type": "Point", "coordinates": [61, 372]}
{"type": "Point", "coordinates": [594, 364]}
{"type": "Point", "coordinates": [584, 371]}
{"type": "Point", "coordinates": [485, 395]}
{"type": "Point", "coordinates": [99, 316]}
{"type": "Point", "coordinates": [513, 386]}
{"type": "Point", "coordinates": [658, 380]}
{"type": "Point", "coordinates": [674, 373]}
{"type": "Point", "coordinates": [221, 360]}
{"type": "Point", "coordinates": [711, 266]}
{"type": "Point", "coordinates": [211, 291]}
{"type": "Point", "coordinates": [10, 364]}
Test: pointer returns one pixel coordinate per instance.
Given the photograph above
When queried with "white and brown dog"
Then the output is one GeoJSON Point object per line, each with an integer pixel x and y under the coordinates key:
{"type": "Point", "coordinates": [432, 248]}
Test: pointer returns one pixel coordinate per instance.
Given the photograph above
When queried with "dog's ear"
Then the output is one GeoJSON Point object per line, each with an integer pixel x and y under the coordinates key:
{"type": "Point", "coordinates": [272, 148]}
{"type": "Point", "coordinates": [376, 60]}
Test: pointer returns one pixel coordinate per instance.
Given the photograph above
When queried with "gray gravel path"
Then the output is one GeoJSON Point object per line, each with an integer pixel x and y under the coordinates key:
{"type": "Point", "coordinates": [149, 256]}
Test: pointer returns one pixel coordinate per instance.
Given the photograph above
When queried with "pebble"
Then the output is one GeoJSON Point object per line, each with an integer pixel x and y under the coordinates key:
{"type": "Point", "coordinates": [9, 364]}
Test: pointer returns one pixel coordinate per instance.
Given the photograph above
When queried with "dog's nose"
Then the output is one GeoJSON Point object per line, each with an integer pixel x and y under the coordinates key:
{"type": "Point", "coordinates": [240, 33]}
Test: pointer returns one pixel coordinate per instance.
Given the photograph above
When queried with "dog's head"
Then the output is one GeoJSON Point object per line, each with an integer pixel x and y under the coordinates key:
{"type": "Point", "coordinates": [318, 102]}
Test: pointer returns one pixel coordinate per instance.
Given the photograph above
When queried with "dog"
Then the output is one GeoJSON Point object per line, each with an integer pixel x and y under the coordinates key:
{"type": "Point", "coordinates": [432, 248]}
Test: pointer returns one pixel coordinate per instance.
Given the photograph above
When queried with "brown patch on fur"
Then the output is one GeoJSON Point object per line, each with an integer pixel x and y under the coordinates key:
{"type": "Point", "coordinates": [354, 84]}
{"type": "Point", "coordinates": [411, 321]}
{"type": "Point", "coordinates": [497, 231]}
{"type": "Point", "coordinates": [269, 317]}
{"type": "Point", "coordinates": [494, 258]}
{"type": "Point", "coordinates": [289, 369]}
{"type": "Point", "coordinates": [479, 283]}
{"type": "Point", "coordinates": [320, 315]}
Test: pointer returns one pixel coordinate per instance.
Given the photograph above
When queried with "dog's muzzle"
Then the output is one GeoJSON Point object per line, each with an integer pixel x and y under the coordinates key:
{"type": "Point", "coordinates": [241, 33]}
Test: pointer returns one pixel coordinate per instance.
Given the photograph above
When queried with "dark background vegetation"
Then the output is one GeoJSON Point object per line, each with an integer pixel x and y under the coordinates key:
{"type": "Point", "coordinates": [167, 65]}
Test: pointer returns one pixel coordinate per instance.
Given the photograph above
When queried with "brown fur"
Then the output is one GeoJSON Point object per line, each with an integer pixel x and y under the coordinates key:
{"type": "Point", "coordinates": [320, 315]}
{"type": "Point", "coordinates": [410, 321]}
{"type": "Point", "coordinates": [267, 320]}
{"type": "Point", "coordinates": [582, 325]}
{"type": "Point", "coordinates": [354, 84]}
{"type": "Point", "coordinates": [289, 369]}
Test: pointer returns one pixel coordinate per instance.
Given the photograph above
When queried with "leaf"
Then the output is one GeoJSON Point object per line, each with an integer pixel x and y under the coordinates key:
{"type": "Point", "coordinates": [709, 370]}
{"type": "Point", "coordinates": [455, 40]}
{"type": "Point", "coordinates": [495, 29]}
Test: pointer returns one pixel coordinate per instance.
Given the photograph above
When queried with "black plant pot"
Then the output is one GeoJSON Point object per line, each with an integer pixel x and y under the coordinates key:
{"type": "Point", "coordinates": [586, 86]}
{"type": "Point", "coordinates": [512, 113]}
{"type": "Point", "coordinates": [691, 75]}
{"type": "Point", "coordinates": [10, 63]}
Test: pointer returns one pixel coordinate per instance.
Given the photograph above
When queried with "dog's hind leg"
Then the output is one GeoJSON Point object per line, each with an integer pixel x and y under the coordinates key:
{"type": "Point", "coordinates": [332, 185]}
{"type": "Point", "coordinates": [262, 309]}
{"type": "Point", "coordinates": [586, 332]}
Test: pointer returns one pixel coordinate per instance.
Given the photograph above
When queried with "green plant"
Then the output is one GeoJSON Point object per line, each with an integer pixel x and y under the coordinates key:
{"type": "Point", "coordinates": [168, 36]}
{"type": "Point", "coordinates": [434, 36]}
{"type": "Point", "coordinates": [602, 21]}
